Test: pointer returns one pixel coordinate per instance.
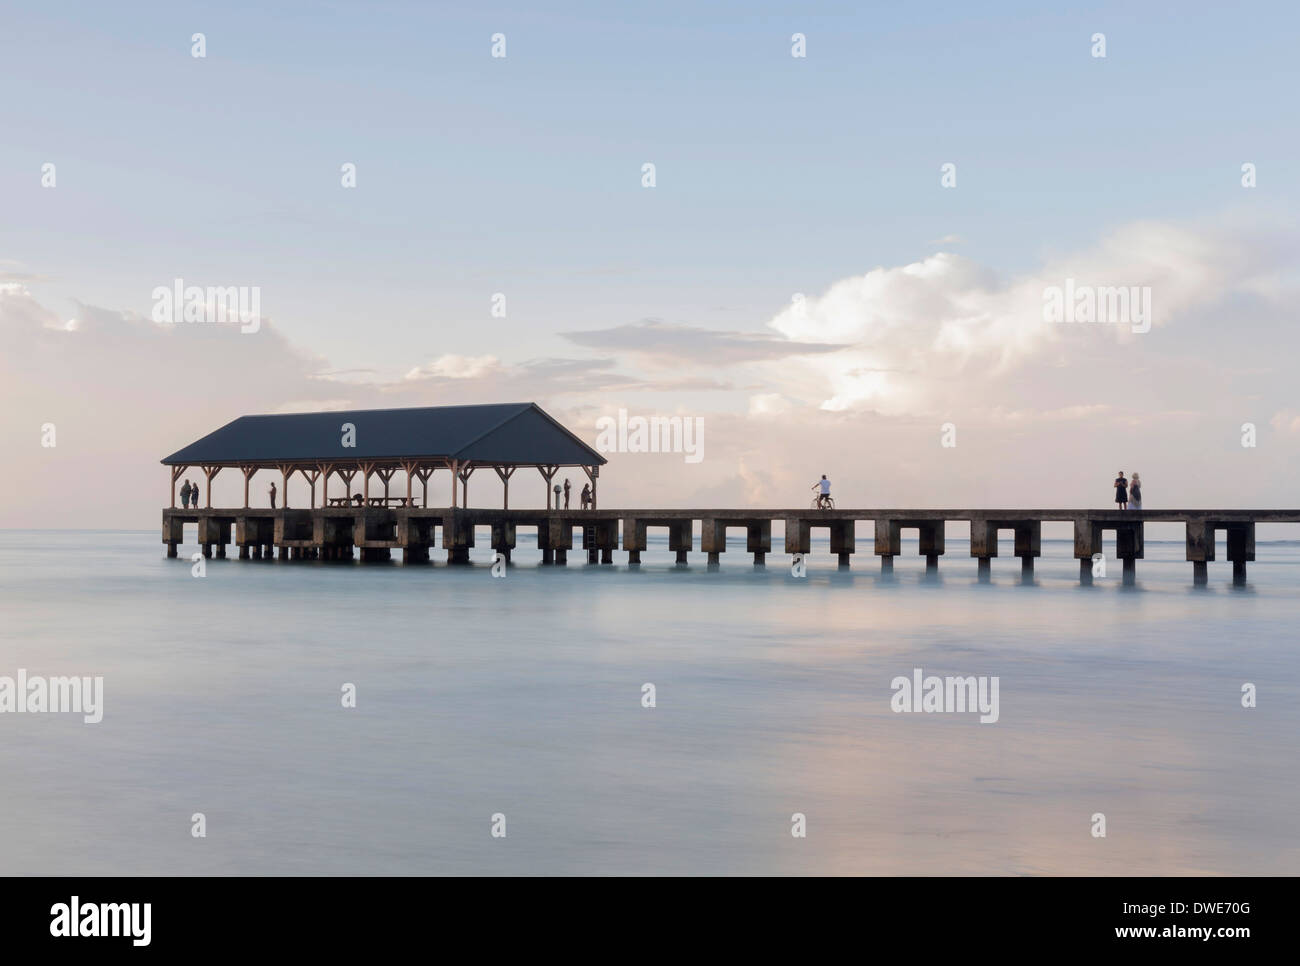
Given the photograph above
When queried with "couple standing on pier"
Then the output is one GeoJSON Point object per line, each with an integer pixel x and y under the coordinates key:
{"type": "Point", "coordinates": [190, 491]}
{"type": "Point", "coordinates": [584, 496]}
{"type": "Point", "coordinates": [1124, 491]}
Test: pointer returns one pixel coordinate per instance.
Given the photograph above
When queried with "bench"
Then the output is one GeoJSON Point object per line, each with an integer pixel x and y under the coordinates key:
{"type": "Point", "coordinates": [379, 501]}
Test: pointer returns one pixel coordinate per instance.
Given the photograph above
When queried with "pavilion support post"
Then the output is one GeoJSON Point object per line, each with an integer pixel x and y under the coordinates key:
{"type": "Point", "coordinates": [409, 468]}
{"type": "Point", "coordinates": [548, 472]}
{"type": "Point", "coordinates": [210, 472]}
{"type": "Point", "coordinates": [366, 470]}
{"type": "Point", "coordinates": [386, 474]}
{"type": "Point", "coordinates": [505, 473]}
{"type": "Point", "coordinates": [326, 470]}
{"type": "Point", "coordinates": [311, 478]}
{"type": "Point", "coordinates": [592, 473]}
{"type": "Point", "coordinates": [286, 471]}
{"type": "Point", "coordinates": [346, 474]}
{"type": "Point", "coordinates": [455, 475]}
{"type": "Point", "coordinates": [176, 475]}
{"type": "Point", "coordinates": [467, 469]}
{"type": "Point", "coordinates": [424, 472]}
{"type": "Point", "coordinates": [248, 472]}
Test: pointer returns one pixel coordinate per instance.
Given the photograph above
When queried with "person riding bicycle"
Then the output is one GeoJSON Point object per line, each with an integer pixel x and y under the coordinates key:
{"type": "Point", "coordinates": [823, 498]}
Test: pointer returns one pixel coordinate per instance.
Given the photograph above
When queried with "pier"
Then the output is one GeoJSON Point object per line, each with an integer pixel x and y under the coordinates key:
{"type": "Point", "coordinates": [422, 443]}
{"type": "Point", "coordinates": [373, 533]}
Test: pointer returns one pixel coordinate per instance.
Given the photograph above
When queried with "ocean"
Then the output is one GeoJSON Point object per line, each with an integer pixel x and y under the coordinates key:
{"type": "Point", "coordinates": [517, 705]}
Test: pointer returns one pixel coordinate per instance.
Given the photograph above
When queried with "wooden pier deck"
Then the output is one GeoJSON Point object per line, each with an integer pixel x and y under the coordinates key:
{"type": "Point", "coordinates": [334, 533]}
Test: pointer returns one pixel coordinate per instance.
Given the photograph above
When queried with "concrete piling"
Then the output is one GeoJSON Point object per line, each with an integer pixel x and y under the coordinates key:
{"type": "Point", "coordinates": [758, 540]}
{"type": "Point", "coordinates": [337, 533]}
{"type": "Point", "coordinates": [1200, 550]}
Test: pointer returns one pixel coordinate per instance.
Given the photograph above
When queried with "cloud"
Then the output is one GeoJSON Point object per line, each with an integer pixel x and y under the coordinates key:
{"type": "Point", "coordinates": [670, 345]}
{"type": "Point", "coordinates": [913, 332]}
{"type": "Point", "coordinates": [769, 404]}
{"type": "Point", "coordinates": [855, 382]}
{"type": "Point", "coordinates": [455, 367]}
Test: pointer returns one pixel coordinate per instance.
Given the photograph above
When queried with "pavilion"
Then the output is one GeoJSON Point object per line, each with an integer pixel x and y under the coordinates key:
{"type": "Point", "coordinates": [380, 442]}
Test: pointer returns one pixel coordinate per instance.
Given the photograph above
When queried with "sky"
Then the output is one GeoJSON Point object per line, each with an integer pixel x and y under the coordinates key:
{"type": "Point", "coordinates": [799, 277]}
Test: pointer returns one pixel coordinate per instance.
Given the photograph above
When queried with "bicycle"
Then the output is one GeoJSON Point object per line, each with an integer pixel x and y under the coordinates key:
{"type": "Point", "coordinates": [823, 503]}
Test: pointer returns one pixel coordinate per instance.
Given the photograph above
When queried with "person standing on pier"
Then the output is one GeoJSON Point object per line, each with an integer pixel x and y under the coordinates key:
{"type": "Point", "coordinates": [185, 494]}
{"type": "Point", "coordinates": [1121, 491]}
{"type": "Point", "coordinates": [566, 493]}
{"type": "Point", "coordinates": [585, 495]}
{"type": "Point", "coordinates": [1135, 492]}
{"type": "Point", "coordinates": [272, 495]}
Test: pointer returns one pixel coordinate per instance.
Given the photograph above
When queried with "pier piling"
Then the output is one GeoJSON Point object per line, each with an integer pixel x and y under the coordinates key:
{"type": "Point", "coordinates": [758, 540]}
{"type": "Point", "coordinates": [335, 534]}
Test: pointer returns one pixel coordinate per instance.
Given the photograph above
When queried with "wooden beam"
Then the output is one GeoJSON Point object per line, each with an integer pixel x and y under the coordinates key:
{"type": "Point", "coordinates": [346, 474]}
{"type": "Point", "coordinates": [548, 472]}
{"type": "Point", "coordinates": [424, 472]}
{"type": "Point", "coordinates": [210, 472]}
{"type": "Point", "coordinates": [386, 474]}
{"type": "Point", "coordinates": [286, 470]}
{"type": "Point", "coordinates": [326, 470]}
{"type": "Point", "coordinates": [467, 469]}
{"type": "Point", "coordinates": [248, 472]}
{"type": "Point", "coordinates": [311, 480]}
{"type": "Point", "coordinates": [176, 475]}
{"type": "Point", "coordinates": [505, 474]}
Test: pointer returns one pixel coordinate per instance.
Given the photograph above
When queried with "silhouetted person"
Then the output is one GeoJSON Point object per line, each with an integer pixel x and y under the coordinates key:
{"type": "Point", "coordinates": [824, 497]}
{"type": "Point", "coordinates": [1121, 491]}
{"type": "Point", "coordinates": [194, 495]}
{"type": "Point", "coordinates": [585, 495]}
{"type": "Point", "coordinates": [359, 499]}
{"type": "Point", "coordinates": [185, 494]}
{"type": "Point", "coordinates": [566, 493]}
{"type": "Point", "coordinates": [272, 496]}
{"type": "Point", "coordinates": [1135, 492]}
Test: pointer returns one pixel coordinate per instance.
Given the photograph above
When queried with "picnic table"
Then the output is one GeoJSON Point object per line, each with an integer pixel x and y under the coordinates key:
{"type": "Point", "coordinates": [373, 501]}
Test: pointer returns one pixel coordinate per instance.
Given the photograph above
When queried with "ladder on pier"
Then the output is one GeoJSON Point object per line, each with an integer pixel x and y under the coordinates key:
{"type": "Point", "coordinates": [589, 542]}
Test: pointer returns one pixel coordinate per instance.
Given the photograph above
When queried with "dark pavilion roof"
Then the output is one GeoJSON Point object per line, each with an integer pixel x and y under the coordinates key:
{"type": "Point", "coordinates": [502, 433]}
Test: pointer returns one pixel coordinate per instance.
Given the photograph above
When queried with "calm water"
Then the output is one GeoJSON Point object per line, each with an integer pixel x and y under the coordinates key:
{"type": "Point", "coordinates": [523, 696]}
